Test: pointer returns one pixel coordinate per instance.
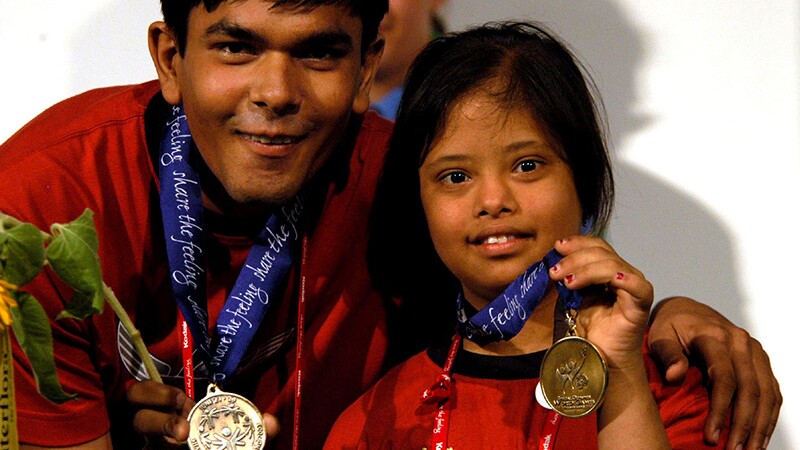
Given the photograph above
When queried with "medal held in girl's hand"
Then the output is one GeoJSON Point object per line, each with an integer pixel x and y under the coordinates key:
{"type": "Point", "coordinates": [574, 374]}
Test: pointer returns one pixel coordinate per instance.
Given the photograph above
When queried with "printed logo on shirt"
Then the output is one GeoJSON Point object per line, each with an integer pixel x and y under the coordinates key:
{"type": "Point", "coordinates": [135, 366]}
{"type": "Point", "coordinates": [260, 357]}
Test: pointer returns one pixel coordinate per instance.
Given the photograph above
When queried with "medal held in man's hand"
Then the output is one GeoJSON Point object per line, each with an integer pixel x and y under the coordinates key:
{"type": "Point", "coordinates": [574, 376]}
{"type": "Point", "coordinates": [225, 420]}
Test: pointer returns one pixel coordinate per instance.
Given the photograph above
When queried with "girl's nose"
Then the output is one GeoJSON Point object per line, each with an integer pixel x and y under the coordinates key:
{"type": "Point", "coordinates": [495, 198]}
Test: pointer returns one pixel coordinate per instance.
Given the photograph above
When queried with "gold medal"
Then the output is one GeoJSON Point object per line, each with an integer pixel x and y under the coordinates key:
{"type": "Point", "coordinates": [225, 420]}
{"type": "Point", "coordinates": [574, 375]}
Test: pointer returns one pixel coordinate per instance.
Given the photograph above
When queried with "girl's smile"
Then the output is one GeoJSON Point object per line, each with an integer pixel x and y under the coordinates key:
{"type": "Point", "coordinates": [500, 241]}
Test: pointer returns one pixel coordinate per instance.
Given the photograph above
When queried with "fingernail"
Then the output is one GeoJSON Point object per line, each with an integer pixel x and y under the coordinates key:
{"type": "Point", "coordinates": [766, 442]}
{"type": "Point", "coordinates": [570, 278]}
{"type": "Point", "coordinates": [562, 241]}
{"type": "Point", "coordinates": [556, 268]}
{"type": "Point", "coordinates": [716, 436]}
{"type": "Point", "coordinates": [620, 275]}
{"type": "Point", "coordinates": [739, 447]}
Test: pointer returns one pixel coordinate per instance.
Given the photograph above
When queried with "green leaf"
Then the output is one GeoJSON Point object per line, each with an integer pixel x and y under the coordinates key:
{"type": "Point", "coordinates": [83, 304]}
{"type": "Point", "coordinates": [32, 330]}
{"type": "Point", "coordinates": [21, 253]}
{"type": "Point", "coordinates": [73, 256]}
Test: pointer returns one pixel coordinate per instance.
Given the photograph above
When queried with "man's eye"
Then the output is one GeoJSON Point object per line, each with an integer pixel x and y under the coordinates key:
{"type": "Point", "coordinates": [455, 177]}
{"type": "Point", "coordinates": [527, 166]}
{"type": "Point", "coordinates": [322, 58]}
{"type": "Point", "coordinates": [233, 48]}
{"type": "Point", "coordinates": [319, 53]}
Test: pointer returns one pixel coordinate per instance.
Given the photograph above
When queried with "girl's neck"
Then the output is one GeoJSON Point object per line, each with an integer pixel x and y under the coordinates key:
{"type": "Point", "coordinates": [536, 335]}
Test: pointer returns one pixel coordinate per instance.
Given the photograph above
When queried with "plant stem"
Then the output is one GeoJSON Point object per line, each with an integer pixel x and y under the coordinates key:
{"type": "Point", "coordinates": [127, 323]}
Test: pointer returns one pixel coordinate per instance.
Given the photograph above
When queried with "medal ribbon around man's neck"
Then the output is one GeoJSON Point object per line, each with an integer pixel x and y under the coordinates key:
{"type": "Point", "coordinates": [260, 279]}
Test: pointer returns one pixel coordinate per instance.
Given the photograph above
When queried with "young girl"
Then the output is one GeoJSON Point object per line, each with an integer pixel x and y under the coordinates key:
{"type": "Point", "coordinates": [499, 138]}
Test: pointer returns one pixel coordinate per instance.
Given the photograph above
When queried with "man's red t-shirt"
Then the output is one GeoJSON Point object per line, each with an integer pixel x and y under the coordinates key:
{"type": "Point", "coordinates": [96, 151]}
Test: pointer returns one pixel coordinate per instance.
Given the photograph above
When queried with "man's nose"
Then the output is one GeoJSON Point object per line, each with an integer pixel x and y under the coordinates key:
{"type": "Point", "coordinates": [274, 85]}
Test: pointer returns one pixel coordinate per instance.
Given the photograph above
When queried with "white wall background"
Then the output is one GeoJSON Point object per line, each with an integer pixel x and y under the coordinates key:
{"type": "Point", "coordinates": [703, 98]}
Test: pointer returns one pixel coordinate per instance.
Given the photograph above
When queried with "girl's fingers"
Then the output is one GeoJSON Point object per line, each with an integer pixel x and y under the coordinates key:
{"type": "Point", "coordinates": [573, 244]}
{"type": "Point", "coordinates": [590, 261]}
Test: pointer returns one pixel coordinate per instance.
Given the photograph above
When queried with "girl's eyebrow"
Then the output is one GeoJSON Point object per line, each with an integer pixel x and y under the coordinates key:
{"type": "Point", "coordinates": [451, 158]}
{"type": "Point", "coordinates": [527, 144]}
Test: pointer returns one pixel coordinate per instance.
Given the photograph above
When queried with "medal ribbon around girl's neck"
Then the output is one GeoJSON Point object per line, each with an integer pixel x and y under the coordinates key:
{"type": "Point", "coordinates": [502, 319]}
{"type": "Point", "coordinates": [258, 283]}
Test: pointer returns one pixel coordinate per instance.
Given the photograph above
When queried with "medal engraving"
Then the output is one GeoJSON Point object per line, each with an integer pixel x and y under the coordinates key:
{"type": "Point", "coordinates": [222, 420]}
{"type": "Point", "coordinates": [574, 377]}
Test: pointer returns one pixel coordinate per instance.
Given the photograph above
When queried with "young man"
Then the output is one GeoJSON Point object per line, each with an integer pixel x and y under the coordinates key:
{"type": "Point", "coordinates": [275, 95]}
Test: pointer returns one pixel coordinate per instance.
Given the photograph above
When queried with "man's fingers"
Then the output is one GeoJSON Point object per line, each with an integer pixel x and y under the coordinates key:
{"type": "Point", "coordinates": [747, 389]}
{"type": "Point", "coordinates": [775, 410]}
{"type": "Point", "coordinates": [719, 360]}
{"type": "Point", "coordinates": [172, 427]}
{"type": "Point", "coordinates": [163, 411]}
{"type": "Point", "coordinates": [157, 395]}
{"type": "Point", "coordinates": [669, 355]}
{"type": "Point", "coordinates": [769, 400]}
{"type": "Point", "coordinates": [271, 426]}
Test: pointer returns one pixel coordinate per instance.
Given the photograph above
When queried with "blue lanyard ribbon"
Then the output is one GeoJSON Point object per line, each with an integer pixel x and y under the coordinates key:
{"type": "Point", "coordinates": [259, 281]}
{"type": "Point", "coordinates": [504, 317]}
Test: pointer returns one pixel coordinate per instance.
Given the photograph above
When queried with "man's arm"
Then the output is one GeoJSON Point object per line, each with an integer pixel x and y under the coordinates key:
{"type": "Point", "coordinates": [736, 363]}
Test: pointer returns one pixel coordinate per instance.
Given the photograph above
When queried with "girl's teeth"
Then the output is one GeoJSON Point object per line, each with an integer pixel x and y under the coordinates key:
{"type": "Point", "coordinates": [496, 239]}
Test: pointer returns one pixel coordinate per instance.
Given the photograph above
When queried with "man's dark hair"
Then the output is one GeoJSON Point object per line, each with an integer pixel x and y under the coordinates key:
{"type": "Point", "coordinates": [176, 14]}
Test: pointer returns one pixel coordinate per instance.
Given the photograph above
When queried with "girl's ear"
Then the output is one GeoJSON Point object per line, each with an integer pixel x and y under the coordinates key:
{"type": "Point", "coordinates": [167, 59]}
{"type": "Point", "coordinates": [372, 57]}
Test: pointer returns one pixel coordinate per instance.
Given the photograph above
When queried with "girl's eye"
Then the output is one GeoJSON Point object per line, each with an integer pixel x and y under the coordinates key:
{"type": "Point", "coordinates": [528, 165]}
{"type": "Point", "coordinates": [455, 178]}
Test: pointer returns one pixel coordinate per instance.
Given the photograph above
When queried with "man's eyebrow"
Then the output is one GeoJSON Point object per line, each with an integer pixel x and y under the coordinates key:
{"type": "Point", "coordinates": [318, 39]}
{"type": "Point", "coordinates": [327, 39]}
{"type": "Point", "coordinates": [231, 29]}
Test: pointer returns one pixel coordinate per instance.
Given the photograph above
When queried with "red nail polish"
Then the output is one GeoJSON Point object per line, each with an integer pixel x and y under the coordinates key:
{"type": "Point", "coordinates": [570, 278]}
{"type": "Point", "coordinates": [555, 268]}
{"type": "Point", "coordinates": [620, 275]}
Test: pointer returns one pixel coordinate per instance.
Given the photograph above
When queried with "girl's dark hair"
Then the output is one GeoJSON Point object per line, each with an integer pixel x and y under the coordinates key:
{"type": "Point", "coordinates": [371, 12]}
{"type": "Point", "coordinates": [524, 67]}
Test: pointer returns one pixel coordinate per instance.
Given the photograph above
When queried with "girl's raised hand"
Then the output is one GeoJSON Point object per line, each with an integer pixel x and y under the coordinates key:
{"type": "Point", "coordinates": [617, 298]}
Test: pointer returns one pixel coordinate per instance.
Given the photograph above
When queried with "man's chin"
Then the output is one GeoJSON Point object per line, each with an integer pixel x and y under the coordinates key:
{"type": "Point", "coordinates": [259, 201]}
